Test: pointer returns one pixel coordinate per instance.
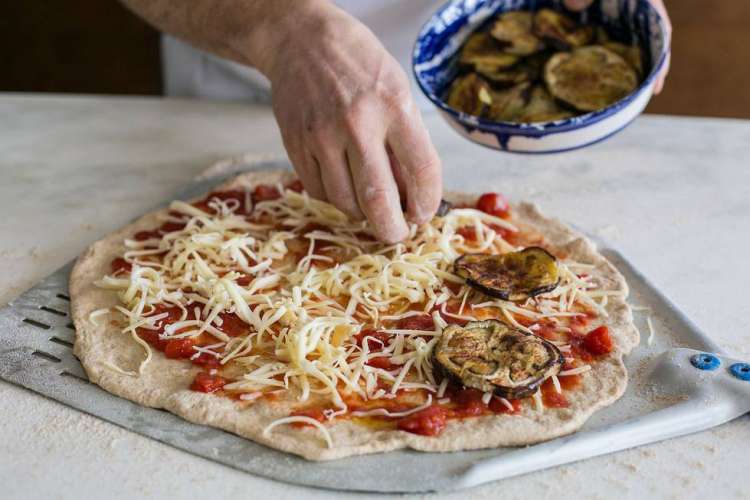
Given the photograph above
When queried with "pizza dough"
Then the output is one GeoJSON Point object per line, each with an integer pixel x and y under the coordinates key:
{"type": "Point", "coordinates": [106, 354]}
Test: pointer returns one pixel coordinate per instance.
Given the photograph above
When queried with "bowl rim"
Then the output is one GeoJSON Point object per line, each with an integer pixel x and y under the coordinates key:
{"type": "Point", "coordinates": [542, 128]}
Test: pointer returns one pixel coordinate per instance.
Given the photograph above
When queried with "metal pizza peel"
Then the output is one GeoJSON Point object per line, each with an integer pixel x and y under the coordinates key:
{"type": "Point", "coordinates": [680, 383]}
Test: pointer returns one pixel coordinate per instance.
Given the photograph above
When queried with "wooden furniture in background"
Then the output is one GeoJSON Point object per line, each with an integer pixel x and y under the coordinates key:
{"type": "Point", "coordinates": [83, 46]}
{"type": "Point", "coordinates": [97, 46]}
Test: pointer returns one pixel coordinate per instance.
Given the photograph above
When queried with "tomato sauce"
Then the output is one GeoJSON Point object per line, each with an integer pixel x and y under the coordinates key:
{"type": "Point", "coordinates": [313, 413]}
{"type": "Point", "coordinates": [206, 359]}
{"type": "Point", "coordinates": [421, 322]}
{"type": "Point", "coordinates": [232, 325]}
{"type": "Point", "coordinates": [551, 398]}
{"type": "Point", "coordinates": [428, 422]}
{"type": "Point", "coordinates": [265, 192]}
{"type": "Point", "coordinates": [377, 340]}
{"type": "Point", "coordinates": [120, 266]}
{"type": "Point", "coordinates": [179, 348]}
{"type": "Point", "coordinates": [469, 233]}
{"type": "Point", "coordinates": [205, 382]}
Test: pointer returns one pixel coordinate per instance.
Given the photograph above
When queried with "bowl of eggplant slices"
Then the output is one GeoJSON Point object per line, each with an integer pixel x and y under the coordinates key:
{"type": "Point", "coordinates": [532, 77]}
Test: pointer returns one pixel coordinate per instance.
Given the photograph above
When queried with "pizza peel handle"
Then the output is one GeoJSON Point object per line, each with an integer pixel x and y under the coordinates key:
{"type": "Point", "coordinates": [713, 390]}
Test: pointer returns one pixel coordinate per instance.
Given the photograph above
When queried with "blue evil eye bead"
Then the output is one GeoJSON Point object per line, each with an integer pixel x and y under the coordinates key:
{"type": "Point", "coordinates": [705, 361]}
{"type": "Point", "coordinates": [741, 371]}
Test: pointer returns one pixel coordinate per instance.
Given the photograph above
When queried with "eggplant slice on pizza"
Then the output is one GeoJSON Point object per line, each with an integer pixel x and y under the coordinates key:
{"type": "Point", "coordinates": [512, 276]}
{"type": "Point", "coordinates": [494, 357]}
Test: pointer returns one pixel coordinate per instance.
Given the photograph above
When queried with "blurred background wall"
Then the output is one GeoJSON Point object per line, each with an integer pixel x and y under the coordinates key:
{"type": "Point", "coordinates": [97, 46]}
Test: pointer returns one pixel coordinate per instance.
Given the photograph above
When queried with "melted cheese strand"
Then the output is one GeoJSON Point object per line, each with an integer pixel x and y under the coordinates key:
{"type": "Point", "coordinates": [303, 420]}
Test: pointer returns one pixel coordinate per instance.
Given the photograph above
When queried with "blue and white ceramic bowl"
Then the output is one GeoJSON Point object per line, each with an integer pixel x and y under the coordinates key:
{"type": "Point", "coordinates": [628, 21]}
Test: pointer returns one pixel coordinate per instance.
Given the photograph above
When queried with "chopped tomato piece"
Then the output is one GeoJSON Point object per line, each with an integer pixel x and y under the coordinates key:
{"type": "Point", "coordinates": [468, 402]}
{"type": "Point", "coordinates": [464, 395]}
{"type": "Point", "coordinates": [296, 186]}
{"type": "Point", "coordinates": [598, 341]}
{"type": "Point", "coordinates": [569, 382]}
{"type": "Point", "coordinates": [152, 337]}
{"type": "Point", "coordinates": [451, 308]}
{"type": "Point", "coordinates": [265, 192]}
{"type": "Point", "coordinates": [551, 398]}
{"type": "Point", "coordinates": [244, 280]}
{"type": "Point", "coordinates": [174, 313]}
{"type": "Point", "coordinates": [179, 348]}
{"type": "Point", "coordinates": [421, 322]}
{"type": "Point", "coordinates": [147, 235]}
{"type": "Point", "coordinates": [207, 383]}
{"type": "Point", "coordinates": [376, 341]}
{"type": "Point", "coordinates": [120, 265]}
{"type": "Point", "coordinates": [236, 198]}
{"type": "Point", "coordinates": [381, 362]}
{"type": "Point", "coordinates": [169, 227]}
{"type": "Point", "coordinates": [232, 325]}
{"type": "Point", "coordinates": [494, 204]}
{"type": "Point", "coordinates": [427, 422]}
{"type": "Point", "coordinates": [468, 232]}
{"type": "Point", "coordinates": [206, 359]}
{"type": "Point", "coordinates": [498, 406]}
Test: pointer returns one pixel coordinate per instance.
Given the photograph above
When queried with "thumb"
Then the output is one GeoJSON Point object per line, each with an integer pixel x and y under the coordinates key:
{"type": "Point", "coordinates": [577, 4]}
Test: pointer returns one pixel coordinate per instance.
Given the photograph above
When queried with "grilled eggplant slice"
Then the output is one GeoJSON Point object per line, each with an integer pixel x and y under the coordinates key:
{"type": "Point", "coordinates": [631, 53]}
{"type": "Point", "coordinates": [589, 78]}
{"type": "Point", "coordinates": [510, 276]}
{"type": "Point", "coordinates": [482, 49]}
{"type": "Point", "coordinates": [513, 30]}
{"type": "Point", "coordinates": [494, 357]}
{"type": "Point", "coordinates": [560, 30]}
{"type": "Point", "coordinates": [508, 104]}
{"type": "Point", "coordinates": [504, 76]}
{"type": "Point", "coordinates": [470, 94]}
{"type": "Point", "coordinates": [542, 107]}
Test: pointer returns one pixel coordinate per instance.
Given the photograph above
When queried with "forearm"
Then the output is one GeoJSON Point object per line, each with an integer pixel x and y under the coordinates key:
{"type": "Point", "coordinates": [245, 31]}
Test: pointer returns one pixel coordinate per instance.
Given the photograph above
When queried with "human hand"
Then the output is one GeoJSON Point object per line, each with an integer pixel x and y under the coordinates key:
{"type": "Point", "coordinates": [659, 6]}
{"type": "Point", "coordinates": [349, 123]}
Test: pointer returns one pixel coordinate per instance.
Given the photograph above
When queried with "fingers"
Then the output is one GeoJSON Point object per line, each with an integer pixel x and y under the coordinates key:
{"type": "Point", "coordinates": [659, 6]}
{"type": "Point", "coordinates": [416, 165]}
{"type": "Point", "coordinates": [337, 179]}
{"type": "Point", "coordinates": [577, 4]}
{"type": "Point", "coordinates": [376, 189]}
{"type": "Point", "coordinates": [659, 85]}
{"type": "Point", "coordinates": [306, 167]}
{"type": "Point", "coordinates": [311, 179]}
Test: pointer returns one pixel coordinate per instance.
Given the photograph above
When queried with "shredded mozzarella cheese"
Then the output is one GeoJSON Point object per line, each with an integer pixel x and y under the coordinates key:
{"type": "Point", "coordinates": [304, 294]}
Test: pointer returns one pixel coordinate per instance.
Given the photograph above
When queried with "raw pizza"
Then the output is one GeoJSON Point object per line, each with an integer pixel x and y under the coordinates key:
{"type": "Point", "coordinates": [261, 311]}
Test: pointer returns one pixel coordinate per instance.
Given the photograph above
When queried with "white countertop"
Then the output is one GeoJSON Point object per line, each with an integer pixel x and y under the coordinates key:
{"type": "Point", "coordinates": [672, 193]}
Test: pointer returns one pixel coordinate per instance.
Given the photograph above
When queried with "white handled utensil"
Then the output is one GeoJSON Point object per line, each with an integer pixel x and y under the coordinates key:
{"type": "Point", "coordinates": [715, 389]}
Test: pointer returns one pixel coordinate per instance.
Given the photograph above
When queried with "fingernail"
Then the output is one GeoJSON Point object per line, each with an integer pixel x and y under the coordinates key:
{"type": "Point", "coordinates": [394, 232]}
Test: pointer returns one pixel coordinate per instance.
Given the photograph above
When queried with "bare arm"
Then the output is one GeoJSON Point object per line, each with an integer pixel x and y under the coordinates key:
{"type": "Point", "coordinates": [244, 31]}
{"type": "Point", "coordinates": [343, 104]}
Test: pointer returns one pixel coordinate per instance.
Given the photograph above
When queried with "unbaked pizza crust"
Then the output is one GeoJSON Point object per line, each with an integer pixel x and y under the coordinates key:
{"type": "Point", "coordinates": [105, 352]}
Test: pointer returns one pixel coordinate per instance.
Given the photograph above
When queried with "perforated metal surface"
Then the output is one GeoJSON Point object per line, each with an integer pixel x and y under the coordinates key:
{"type": "Point", "coordinates": [36, 340]}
